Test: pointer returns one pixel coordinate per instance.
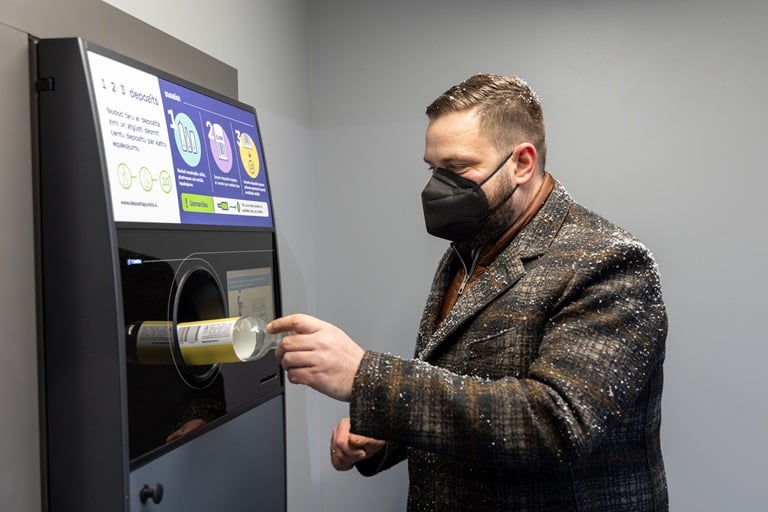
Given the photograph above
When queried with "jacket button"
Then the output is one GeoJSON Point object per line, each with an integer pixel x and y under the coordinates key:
{"type": "Point", "coordinates": [415, 493]}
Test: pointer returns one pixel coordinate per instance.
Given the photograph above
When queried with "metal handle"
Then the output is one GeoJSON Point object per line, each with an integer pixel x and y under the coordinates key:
{"type": "Point", "coordinates": [147, 492]}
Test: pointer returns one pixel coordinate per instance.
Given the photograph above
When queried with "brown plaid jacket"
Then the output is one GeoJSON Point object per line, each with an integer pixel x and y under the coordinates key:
{"type": "Point", "coordinates": [541, 391]}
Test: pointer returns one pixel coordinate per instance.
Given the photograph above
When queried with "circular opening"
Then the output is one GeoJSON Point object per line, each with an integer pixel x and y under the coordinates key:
{"type": "Point", "coordinates": [199, 296]}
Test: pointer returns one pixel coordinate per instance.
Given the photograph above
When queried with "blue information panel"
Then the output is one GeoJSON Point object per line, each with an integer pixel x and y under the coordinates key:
{"type": "Point", "coordinates": [175, 155]}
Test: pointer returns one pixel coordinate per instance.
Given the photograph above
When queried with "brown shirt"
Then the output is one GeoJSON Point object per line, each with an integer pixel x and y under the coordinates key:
{"type": "Point", "coordinates": [488, 254]}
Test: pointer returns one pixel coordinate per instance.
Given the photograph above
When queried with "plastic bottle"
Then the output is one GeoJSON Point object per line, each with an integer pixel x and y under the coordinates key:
{"type": "Point", "coordinates": [149, 342]}
{"type": "Point", "coordinates": [221, 340]}
{"type": "Point", "coordinates": [252, 331]}
{"type": "Point", "coordinates": [225, 340]}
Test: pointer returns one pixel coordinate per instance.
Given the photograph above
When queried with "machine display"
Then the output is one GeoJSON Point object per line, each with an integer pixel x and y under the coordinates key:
{"type": "Point", "coordinates": [154, 210]}
{"type": "Point", "coordinates": [176, 155]}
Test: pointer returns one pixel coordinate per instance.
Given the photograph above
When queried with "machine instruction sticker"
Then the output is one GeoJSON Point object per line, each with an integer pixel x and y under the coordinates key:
{"type": "Point", "coordinates": [174, 155]}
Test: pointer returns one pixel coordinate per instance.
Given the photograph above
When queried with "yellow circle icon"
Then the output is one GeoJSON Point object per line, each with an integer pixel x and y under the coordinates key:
{"type": "Point", "coordinates": [249, 156]}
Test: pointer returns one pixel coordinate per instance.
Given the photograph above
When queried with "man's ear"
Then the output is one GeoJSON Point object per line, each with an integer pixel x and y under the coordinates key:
{"type": "Point", "coordinates": [526, 162]}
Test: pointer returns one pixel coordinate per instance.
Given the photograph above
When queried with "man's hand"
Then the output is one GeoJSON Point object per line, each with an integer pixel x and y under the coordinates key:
{"type": "Point", "coordinates": [348, 448]}
{"type": "Point", "coordinates": [317, 354]}
{"type": "Point", "coordinates": [186, 429]}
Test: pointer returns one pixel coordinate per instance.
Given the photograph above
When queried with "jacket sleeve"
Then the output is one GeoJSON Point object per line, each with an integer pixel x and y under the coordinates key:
{"type": "Point", "coordinates": [392, 454]}
{"type": "Point", "coordinates": [599, 343]}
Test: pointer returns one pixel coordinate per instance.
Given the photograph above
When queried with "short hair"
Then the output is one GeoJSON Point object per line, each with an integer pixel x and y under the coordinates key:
{"type": "Point", "coordinates": [508, 108]}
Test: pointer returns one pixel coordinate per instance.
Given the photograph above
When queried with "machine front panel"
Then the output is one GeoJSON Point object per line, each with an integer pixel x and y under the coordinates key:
{"type": "Point", "coordinates": [182, 276]}
{"type": "Point", "coordinates": [153, 210]}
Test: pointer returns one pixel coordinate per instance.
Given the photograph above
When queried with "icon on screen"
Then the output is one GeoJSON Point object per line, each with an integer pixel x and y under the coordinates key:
{"type": "Point", "coordinates": [221, 145]}
{"type": "Point", "coordinates": [186, 137]}
{"type": "Point", "coordinates": [187, 142]}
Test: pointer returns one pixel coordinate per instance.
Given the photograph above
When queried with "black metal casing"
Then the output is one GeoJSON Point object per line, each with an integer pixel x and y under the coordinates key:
{"type": "Point", "coordinates": [96, 405]}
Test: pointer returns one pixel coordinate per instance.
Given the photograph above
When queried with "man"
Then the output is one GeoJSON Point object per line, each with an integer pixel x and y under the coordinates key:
{"type": "Point", "coordinates": [536, 383]}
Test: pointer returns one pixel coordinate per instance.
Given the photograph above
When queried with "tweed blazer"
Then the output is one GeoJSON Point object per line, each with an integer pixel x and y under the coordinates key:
{"type": "Point", "coordinates": [541, 391]}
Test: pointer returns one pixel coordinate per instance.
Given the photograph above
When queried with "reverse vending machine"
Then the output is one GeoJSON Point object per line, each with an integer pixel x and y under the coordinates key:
{"type": "Point", "coordinates": [154, 209]}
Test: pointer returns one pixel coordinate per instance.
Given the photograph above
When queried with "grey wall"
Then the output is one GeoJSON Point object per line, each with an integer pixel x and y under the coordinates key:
{"type": "Point", "coordinates": [656, 119]}
{"type": "Point", "coordinates": [19, 455]}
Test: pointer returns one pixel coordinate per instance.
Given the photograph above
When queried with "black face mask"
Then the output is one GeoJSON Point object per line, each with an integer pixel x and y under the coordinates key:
{"type": "Point", "coordinates": [456, 208]}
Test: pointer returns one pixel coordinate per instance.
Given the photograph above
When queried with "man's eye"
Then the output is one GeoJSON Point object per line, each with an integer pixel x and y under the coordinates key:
{"type": "Point", "coordinates": [452, 169]}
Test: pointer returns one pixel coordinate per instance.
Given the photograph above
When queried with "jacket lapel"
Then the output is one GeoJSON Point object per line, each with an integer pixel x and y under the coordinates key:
{"type": "Point", "coordinates": [502, 274]}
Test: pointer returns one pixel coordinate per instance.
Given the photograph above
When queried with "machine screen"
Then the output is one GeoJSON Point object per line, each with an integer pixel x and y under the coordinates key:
{"type": "Point", "coordinates": [174, 155]}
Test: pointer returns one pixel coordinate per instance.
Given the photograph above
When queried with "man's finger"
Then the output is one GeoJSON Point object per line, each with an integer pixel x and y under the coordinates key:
{"type": "Point", "coordinates": [297, 322]}
{"type": "Point", "coordinates": [357, 441]}
{"type": "Point", "coordinates": [291, 344]}
{"type": "Point", "coordinates": [292, 357]}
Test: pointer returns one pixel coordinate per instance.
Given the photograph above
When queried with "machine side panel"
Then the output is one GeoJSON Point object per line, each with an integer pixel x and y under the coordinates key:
{"type": "Point", "coordinates": [82, 335]}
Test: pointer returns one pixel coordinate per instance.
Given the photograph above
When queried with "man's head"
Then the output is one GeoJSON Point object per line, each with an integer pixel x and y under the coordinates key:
{"type": "Point", "coordinates": [485, 146]}
{"type": "Point", "coordinates": [509, 111]}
